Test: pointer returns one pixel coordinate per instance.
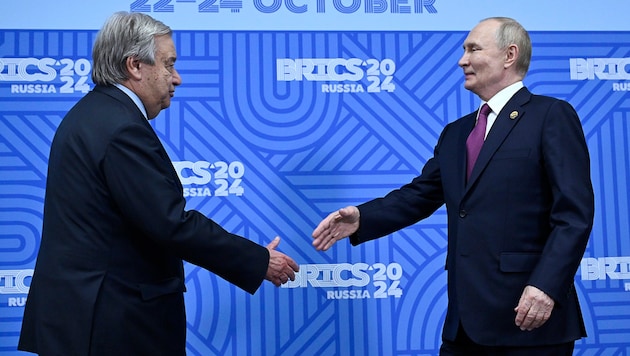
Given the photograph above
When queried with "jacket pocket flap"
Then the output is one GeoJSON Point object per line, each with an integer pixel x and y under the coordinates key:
{"type": "Point", "coordinates": [158, 289]}
{"type": "Point", "coordinates": [518, 261]}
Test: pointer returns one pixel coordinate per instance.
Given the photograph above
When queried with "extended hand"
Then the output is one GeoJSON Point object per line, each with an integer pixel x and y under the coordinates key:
{"type": "Point", "coordinates": [281, 267]}
{"type": "Point", "coordinates": [534, 309]}
{"type": "Point", "coordinates": [336, 226]}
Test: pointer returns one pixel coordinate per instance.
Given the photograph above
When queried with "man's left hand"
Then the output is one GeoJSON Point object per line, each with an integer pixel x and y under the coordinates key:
{"type": "Point", "coordinates": [533, 309]}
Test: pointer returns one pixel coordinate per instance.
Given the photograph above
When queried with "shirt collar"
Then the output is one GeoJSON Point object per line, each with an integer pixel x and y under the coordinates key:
{"type": "Point", "coordinates": [133, 97]}
{"type": "Point", "coordinates": [498, 101]}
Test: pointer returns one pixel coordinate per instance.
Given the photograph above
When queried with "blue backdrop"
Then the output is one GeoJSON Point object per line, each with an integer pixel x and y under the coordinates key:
{"type": "Point", "coordinates": [268, 137]}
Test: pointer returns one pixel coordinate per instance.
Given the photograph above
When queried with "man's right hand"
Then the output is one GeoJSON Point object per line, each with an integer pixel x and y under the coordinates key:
{"type": "Point", "coordinates": [281, 267]}
{"type": "Point", "coordinates": [336, 226]}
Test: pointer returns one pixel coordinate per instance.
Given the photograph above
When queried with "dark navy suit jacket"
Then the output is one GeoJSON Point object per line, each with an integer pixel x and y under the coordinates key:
{"type": "Point", "coordinates": [109, 276]}
{"type": "Point", "coordinates": [523, 218]}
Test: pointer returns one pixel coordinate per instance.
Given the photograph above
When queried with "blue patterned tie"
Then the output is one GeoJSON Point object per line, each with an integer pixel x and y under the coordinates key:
{"type": "Point", "coordinates": [476, 138]}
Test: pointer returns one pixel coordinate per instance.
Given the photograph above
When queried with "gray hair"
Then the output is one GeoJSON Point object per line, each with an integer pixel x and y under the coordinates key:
{"type": "Point", "coordinates": [124, 35]}
{"type": "Point", "coordinates": [511, 32]}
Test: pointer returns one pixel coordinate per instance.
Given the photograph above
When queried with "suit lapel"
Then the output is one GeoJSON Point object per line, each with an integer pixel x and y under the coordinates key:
{"type": "Point", "coordinates": [509, 116]}
{"type": "Point", "coordinates": [468, 126]}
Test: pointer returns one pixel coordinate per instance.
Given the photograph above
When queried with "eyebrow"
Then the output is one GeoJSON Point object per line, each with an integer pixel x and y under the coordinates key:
{"type": "Point", "coordinates": [470, 44]}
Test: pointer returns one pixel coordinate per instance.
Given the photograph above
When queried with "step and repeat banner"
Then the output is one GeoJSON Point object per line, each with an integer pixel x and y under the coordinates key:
{"type": "Point", "coordinates": [290, 109]}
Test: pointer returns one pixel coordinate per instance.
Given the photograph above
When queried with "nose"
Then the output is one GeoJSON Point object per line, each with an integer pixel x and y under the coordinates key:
{"type": "Point", "coordinates": [463, 61]}
{"type": "Point", "coordinates": [177, 79]}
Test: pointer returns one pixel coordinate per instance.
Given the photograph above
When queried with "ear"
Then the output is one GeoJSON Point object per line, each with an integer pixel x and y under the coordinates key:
{"type": "Point", "coordinates": [132, 64]}
{"type": "Point", "coordinates": [511, 55]}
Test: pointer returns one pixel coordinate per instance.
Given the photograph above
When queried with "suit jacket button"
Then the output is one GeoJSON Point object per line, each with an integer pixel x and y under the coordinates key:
{"type": "Point", "coordinates": [462, 213]}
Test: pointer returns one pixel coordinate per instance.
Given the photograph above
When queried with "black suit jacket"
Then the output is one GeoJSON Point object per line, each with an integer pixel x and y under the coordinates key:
{"type": "Point", "coordinates": [523, 218]}
{"type": "Point", "coordinates": [109, 276]}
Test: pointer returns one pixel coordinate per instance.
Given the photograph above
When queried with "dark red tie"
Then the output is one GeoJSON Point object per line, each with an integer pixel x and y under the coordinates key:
{"type": "Point", "coordinates": [476, 138]}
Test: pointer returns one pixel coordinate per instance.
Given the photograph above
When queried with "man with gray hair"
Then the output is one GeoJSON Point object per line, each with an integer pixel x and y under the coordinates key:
{"type": "Point", "coordinates": [109, 277]}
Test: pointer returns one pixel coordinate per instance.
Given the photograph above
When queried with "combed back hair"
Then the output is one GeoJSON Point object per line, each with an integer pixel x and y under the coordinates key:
{"type": "Point", "coordinates": [124, 35]}
{"type": "Point", "coordinates": [511, 32]}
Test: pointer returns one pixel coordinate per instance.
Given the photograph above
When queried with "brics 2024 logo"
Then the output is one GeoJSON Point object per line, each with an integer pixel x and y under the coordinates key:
{"type": "Point", "coordinates": [617, 69]}
{"type": "Point", "coordinates": [352, 75]}
{"type": "Point", "coordinates": [351, 281]}
{"type": "Point", "coordinates": [205, 179]}
{"type": "Point", "coordinates": [45, 75]}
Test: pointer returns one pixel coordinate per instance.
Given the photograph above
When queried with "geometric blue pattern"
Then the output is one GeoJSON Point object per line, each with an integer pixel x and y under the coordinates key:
{"type": "Point", "coordinates": [293, 151]}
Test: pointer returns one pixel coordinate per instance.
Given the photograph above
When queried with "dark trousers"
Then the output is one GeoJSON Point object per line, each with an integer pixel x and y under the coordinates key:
{"type": "Point", "coordinates": [464, 346]}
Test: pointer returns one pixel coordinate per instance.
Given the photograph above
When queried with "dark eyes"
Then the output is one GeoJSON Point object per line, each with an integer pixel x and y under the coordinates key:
{"type": "Point", "coordinates": [471, 49]}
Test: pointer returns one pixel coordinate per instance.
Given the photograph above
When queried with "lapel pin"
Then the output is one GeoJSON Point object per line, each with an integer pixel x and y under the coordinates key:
{"type": "Point", "coordinates": [513, 115]}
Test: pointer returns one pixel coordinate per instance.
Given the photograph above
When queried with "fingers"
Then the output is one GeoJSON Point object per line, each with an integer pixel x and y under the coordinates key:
{"type": "Point", "coordinates": [286, 274]}
{"type": "Point", "coordinates": [274, 243]}
{"type": "Point", "coordinates": [324, 242]}
{"type": "Point", "coordinates": [325, 225]}
{"type": "Point", "coordinates": [323, 233]}
{"type": "Point", "coordinates": [294, 267]}
{"type": "Point", "coordinates": [281, 268]}
{"type": "Point", "coordinates": [533, 318]}
{"type": "Point", "coordinates": [525, 318]}
{"type": "Point", "coordinates": [347, 212]}
{"type": "Point", "coordinates": [336, 226]}
{"type": "Point", "coordinates": [291, 266]}
{"type": "Point", "coordinates": [534, 309]}
{"type": "Point", "coordinates": [289, 270]}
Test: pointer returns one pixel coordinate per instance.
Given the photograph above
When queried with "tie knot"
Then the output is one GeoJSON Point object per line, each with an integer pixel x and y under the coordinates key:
{"type": "Point", "coordinates": [485, 110]}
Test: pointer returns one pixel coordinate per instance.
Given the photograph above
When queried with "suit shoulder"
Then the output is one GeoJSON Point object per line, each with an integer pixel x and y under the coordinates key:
{"type": "Point", "coordinates": [462, 120]}
{"type": "Point", "coordinates": [102, 111]}
{"type": "Point", "coordinates": [97, 118]}
{"type": "Point", "coordinates": [99, 104]}
{"type": "Point", "coordinates": [547, 100]}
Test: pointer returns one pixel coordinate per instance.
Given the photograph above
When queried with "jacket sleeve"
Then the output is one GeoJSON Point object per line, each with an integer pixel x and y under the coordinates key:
{"type": "Point", "coordinates": [404, 206]}
{"type": "Point", "coordinates": [147, 191]}
{"type": "Point", "coordinates": [567, 163]}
